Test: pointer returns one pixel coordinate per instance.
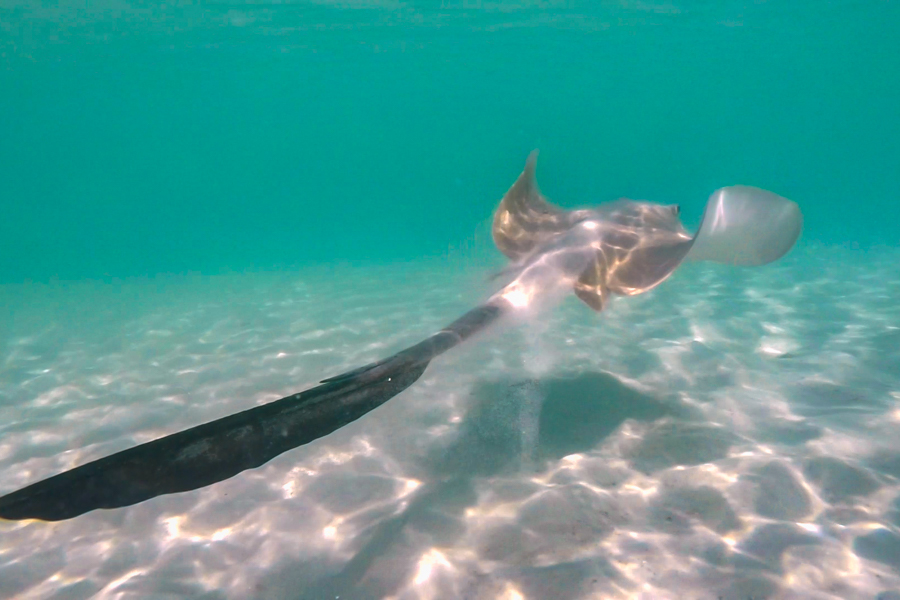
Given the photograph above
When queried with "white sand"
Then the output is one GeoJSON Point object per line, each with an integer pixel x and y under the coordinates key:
{"type": "Point", "coordinates": [731, 434]}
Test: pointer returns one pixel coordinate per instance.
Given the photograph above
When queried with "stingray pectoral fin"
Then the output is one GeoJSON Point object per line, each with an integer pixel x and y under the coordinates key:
{"type": "Point", "coordinates": [745, 225]}
{"type": "Point", "coordinates": [646, 266]}
{"type": "Point", "coordinates": [525, 219]}
{"type": "Point", "coordinates": [591, 288]}
{"type": "Point", "coordinates": [211, 452]}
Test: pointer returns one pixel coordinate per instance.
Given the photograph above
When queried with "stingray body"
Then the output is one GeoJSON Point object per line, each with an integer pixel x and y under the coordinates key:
{"type": "Point", "coordinates": [620, 248]}
{"type": "Point", "coordinates": [628, 247]}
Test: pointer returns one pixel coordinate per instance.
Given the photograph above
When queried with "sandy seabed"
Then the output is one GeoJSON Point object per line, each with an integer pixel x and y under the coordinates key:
{"type": "Point", "coordinates": [731, 434]}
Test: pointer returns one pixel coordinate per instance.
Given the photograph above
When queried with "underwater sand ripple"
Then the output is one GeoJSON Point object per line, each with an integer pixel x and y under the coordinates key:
{"type": "Point", "coordinates": [730, 434]}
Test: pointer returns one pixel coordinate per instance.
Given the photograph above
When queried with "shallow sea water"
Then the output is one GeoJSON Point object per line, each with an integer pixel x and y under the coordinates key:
{"type": "Point", "coordinates": [731, 434]}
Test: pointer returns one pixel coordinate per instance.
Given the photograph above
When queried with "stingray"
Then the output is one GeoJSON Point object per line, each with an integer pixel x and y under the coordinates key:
{"type": "Point", "coordinates": [621, 248]}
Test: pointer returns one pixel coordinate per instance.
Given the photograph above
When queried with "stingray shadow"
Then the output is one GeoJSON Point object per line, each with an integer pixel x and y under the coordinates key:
{"type": "Point", "coordinates": [511, 422]}
{"type": "Point", "coordinates": [578, 413]}
{"type": "Point", "coordinates": [566, 414]}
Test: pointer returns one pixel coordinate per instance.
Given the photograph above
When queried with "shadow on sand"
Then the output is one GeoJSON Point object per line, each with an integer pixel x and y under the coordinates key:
{"type": "Point", "coordinates": [508, 425]}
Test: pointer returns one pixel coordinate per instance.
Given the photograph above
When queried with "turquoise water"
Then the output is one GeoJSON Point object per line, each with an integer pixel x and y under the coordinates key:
{"type": "Point", "coordinates": [209, 207]}
{"type": "Point", "coordinates": [140, 138]}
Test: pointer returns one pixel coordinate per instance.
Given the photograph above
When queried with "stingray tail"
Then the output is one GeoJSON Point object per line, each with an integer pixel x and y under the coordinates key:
{"type": "Point", "coordinates": [211, 452]}
{"type": "Point", "coordinates": [220, 449]}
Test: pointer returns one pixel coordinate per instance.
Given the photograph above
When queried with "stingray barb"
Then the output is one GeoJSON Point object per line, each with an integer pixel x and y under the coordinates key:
{"type": "Point", "coordinates": [619, 248]}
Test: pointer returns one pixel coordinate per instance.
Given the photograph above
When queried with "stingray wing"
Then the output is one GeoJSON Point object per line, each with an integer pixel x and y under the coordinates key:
{"type": "Point", "coordinates": [744, 225]}
{"type": "Point", "coordinates": [639, 245]}
{"type": "Point", "coordinates": [591, 287]}
{"type": "Point", "coordinates": [525, 220]}
{"type": "Point", "coordinates": [642, 244]}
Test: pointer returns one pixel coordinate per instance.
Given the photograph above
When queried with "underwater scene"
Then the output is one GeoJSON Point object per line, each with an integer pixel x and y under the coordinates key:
{"type": "Point", "coordinates": [510, 299]}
